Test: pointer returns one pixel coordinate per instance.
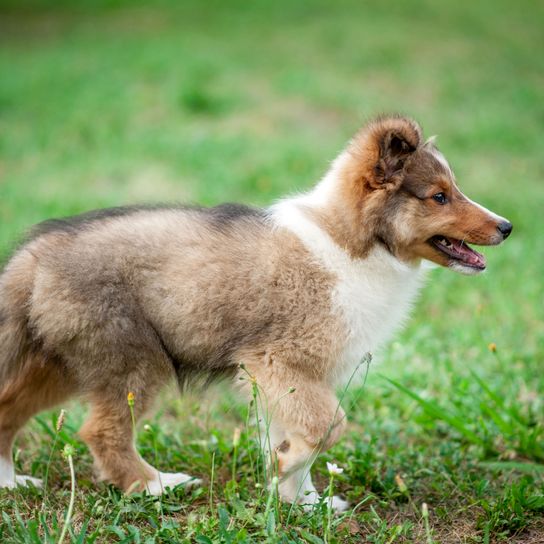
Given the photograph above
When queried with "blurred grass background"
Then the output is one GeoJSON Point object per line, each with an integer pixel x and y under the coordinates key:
{"type": "Point", "coordinates": [105, 103]}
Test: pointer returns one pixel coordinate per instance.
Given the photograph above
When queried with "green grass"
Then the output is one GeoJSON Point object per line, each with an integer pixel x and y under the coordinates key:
{"type": "Point", "coordinates": [115, 102]}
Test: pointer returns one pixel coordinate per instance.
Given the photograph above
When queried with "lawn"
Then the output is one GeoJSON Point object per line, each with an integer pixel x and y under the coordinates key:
{"type": "Point", "coordinates": [113, 102]}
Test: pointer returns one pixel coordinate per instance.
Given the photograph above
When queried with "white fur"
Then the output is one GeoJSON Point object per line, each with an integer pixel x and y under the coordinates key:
{"type": "Point", "coordinates": [25, 480]}
{"type": "Point", "coordinates": [10, 480]}
{"type": "Point", "coordinates": [322, 193]}
{"type": "Point", "coordinates": [162, 480]}
{"type": "Point", "coordinates": [373, 295]}
{"type": "Point", "coordinates": [7, 473]}
{"type": "Point", "coordinates": [466, 270]}
{"type": "Point", "coordinates": [338, 505]}
{"type": "Point", "coordinates": [299, 488]}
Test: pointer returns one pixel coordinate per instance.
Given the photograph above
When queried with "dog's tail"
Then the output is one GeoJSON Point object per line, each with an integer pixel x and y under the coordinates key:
{"type": "Point", "coordinates": [15, 339]}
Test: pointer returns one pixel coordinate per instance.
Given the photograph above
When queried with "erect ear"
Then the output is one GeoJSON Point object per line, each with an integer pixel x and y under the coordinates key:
{"type": "Point", "coordinates": [384, 146]}
{"type": "Point", "coordinates": [394, 150]}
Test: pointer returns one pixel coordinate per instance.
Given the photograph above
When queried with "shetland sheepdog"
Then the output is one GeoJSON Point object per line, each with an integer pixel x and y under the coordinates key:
{"type": "Point", "coordinates": [127, 299]}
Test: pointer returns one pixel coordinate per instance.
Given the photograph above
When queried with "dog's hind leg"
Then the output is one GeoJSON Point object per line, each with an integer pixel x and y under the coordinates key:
{"type": "Point", "coordinates": [41, 385]}
{"type": "Point", "coordinates": [109, 434]}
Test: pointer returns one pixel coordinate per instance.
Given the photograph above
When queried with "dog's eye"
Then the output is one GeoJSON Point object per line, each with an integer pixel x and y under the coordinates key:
{"type": "Point", "coordinates": [440, 198]}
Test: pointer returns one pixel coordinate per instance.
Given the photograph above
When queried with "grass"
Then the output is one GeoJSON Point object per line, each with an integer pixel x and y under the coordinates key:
{"type": "Point", "coordinates": [113, 102]}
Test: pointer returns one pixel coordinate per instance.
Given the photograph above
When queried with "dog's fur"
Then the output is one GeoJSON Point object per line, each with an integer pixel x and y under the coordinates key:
{"type": "Point", "coordinates": [125, 300]}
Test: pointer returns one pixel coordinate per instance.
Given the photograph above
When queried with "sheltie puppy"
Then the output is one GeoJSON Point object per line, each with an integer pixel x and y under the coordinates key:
{"type": "Point", "coordinates": [127, 299]}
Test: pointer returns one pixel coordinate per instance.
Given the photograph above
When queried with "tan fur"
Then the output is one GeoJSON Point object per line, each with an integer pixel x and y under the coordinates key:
{"type": "Point", "coordinates": [111, 442]}
{"type": "Point", "coordinates": [125, 300]}
{"type": "Point", "coordinates": [39, 387]}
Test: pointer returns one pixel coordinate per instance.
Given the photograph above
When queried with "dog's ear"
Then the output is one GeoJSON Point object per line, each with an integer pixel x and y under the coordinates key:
{"type": "Point", "coordinates": [383, 147]}
{"type": "Point", "coordinates": [395, 148]}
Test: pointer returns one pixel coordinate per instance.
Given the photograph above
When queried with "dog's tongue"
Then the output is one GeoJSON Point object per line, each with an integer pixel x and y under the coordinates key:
{"type": "Point", "coordinates": [467, 254]}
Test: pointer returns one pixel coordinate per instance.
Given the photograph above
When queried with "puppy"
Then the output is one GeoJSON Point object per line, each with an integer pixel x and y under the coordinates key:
{"type": "Point", "coordinates": [128, 299]}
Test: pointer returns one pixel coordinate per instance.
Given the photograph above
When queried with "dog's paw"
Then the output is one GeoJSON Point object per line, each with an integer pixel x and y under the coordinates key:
{"type": "Point", "coordinates": [338, 505]}
{"type": "Point", "coordinates": [7, 484]}
{"type": "Point", "coordinates": [312, 501]}
{"type": "Point", "coordinates": [11, 483]}
{"type": "Point", "coordinates": [162, 480]}
{"type": "Point", "coordinates": [26, 480]}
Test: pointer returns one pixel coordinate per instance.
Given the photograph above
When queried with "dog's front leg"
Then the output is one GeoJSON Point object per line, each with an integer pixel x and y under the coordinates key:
{"type": "Point", "coordinates": [302, 424]}
{"type": "Point", "coordinates": [296, 485]}
{"type": "Point", "coordinates": [295, 457]}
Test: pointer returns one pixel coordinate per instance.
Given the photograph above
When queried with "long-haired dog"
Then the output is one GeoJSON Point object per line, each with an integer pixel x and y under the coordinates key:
{"type": "Point", "coordinates": [128, 299]}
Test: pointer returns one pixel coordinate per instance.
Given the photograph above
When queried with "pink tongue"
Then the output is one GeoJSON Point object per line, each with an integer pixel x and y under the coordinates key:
{"type": "Point", "coordinates": [469, 255]}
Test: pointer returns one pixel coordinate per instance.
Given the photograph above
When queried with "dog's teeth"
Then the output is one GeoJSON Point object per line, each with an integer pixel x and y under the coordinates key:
{"type": "Point", "coordinates": [444, 242]}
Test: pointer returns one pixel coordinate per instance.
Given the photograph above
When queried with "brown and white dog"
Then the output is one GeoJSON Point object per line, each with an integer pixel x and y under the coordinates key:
{"type": "Point", "coordinates": [125, 300]}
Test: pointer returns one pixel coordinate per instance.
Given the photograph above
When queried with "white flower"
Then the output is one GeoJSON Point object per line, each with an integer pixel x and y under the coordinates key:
{"type": "Point", "coordinates": [334, 469]}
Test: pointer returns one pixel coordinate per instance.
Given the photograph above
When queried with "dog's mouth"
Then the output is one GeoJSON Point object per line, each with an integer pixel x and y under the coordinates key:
{"type": "Point", "coordinates": [458, 251]}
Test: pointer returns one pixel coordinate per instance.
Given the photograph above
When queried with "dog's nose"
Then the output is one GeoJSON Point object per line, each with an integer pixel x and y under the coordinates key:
{"type": "Point", "coordinates": [505, 228]}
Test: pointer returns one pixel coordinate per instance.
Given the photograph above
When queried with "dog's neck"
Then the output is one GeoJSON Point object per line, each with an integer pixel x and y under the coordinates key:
{"type": "Point", "coordinates": [328, 238]}
{"type": "Point", "coordinates": [372, 293]}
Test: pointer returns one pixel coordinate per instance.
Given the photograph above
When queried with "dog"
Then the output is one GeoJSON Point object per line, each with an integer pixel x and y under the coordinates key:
{"type": "Point", "coordinates": [124, 300]}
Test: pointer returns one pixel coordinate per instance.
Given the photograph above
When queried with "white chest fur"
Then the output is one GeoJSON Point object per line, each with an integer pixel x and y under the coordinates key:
{"type": "Point", "coordinates": [372, 296]}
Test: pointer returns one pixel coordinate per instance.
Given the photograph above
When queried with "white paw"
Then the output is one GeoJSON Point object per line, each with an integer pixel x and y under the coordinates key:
{"type": "Point", "coordinates": [25, 480]}
{"type": "Point", "coordinates": [162, 480]}
{"type": "Point", "coordinates": [338, 505]}
{"type": "Point", "coordinates": [8, 478]}
{"type": "Point", "coordinates": [20, 480]}
{"type": "Point", "coordinates": [309, 503]}
{"type": "Point", "coordinates": [8, 484]}
{"type": "Point", "coordinates": [309, 500]}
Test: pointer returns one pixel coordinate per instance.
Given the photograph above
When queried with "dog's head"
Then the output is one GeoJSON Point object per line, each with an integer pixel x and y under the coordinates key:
{"type": "Point", "coordinates": [410, 190]}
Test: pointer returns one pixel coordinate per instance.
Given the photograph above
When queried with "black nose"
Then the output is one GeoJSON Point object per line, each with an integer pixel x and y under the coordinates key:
{"type": "Point", "coordinates": [505, 228]}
